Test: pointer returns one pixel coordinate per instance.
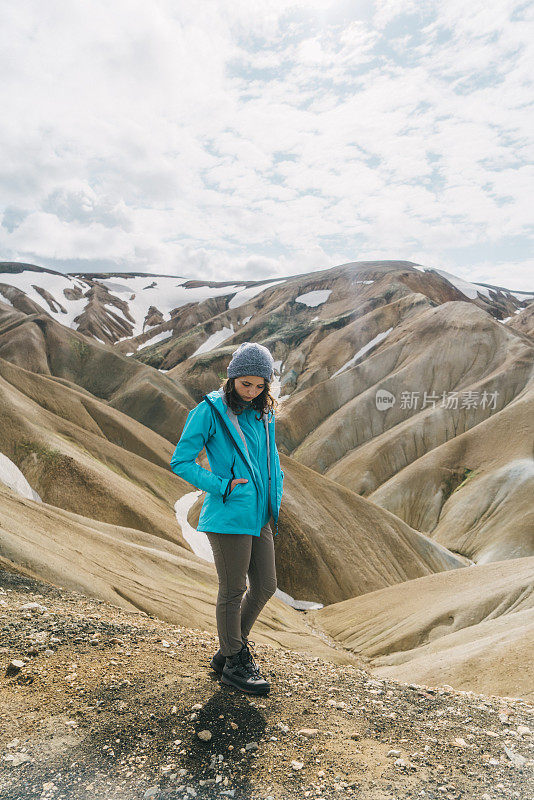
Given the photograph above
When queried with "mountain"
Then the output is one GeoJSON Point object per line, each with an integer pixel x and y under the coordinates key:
{"type": "Point", "coordinates": [405, 429]}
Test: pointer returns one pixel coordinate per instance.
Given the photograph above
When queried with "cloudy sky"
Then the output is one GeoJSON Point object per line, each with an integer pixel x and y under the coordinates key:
{"type": "Point", "coordinates": [256, 139]}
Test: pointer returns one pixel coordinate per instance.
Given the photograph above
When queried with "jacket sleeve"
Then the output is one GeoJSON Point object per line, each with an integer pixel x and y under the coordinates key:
{"type": "Point", "coordinates": [198, 428]}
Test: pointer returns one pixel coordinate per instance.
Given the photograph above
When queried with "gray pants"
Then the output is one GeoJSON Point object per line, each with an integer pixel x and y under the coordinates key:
{"type": "Point", "coordinates": [235, 555]}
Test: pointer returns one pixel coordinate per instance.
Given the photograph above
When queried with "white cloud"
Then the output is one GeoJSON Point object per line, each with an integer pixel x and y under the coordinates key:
{"type": "Point", "coordinates": [294, 135]}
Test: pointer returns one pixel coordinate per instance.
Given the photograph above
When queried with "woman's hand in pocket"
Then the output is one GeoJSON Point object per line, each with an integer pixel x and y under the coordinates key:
{"type": "Point", "coordinates": [236, 480]}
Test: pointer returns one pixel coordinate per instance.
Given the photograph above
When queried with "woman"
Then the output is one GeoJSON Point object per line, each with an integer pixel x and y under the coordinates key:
{"type": "Point", "coordinates": [244, 490]}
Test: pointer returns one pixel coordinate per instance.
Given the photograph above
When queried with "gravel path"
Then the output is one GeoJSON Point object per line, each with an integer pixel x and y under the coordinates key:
{"type": "Point", "coordinates": [99, 703]}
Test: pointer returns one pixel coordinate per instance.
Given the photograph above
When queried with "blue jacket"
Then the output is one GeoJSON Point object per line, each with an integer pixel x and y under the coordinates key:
{"type": "Point", "coordinates": [213, 425]}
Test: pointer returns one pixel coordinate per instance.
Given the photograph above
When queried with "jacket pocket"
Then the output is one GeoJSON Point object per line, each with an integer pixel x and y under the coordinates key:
{"type": "Point", "coordinates": [228, 491]}
{"type": "Point", "coordinates": [242, 492]}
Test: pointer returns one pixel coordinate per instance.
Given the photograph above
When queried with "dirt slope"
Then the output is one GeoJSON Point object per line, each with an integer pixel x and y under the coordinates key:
{"type": "Point", "coordinates": [110, 704]}
{"type": "Point", "coordinates": [472, 628]}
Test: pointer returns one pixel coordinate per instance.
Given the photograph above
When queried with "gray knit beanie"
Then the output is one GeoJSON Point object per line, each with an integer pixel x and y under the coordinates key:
{"type": "Point", "coordinates": [251, 358]}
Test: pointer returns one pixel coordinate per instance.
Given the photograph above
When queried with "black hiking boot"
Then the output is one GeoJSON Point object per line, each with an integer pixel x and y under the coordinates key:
{"type": "Point", "coordinates": [218, 660]}
{"type": "Point", "coordinates": [241, 671]}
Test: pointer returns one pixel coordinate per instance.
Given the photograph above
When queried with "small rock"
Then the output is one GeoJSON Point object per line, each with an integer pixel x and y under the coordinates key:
{"type": "Point", "coordinates": [394, 753]}
{"type": "Point", "coordinates": [308, 733]}
{"type": "Point", "coordinates": [16, 759]}
{"type": "Point", "coordinates": [14, 666]}
{"type": "Point", "coordinates": [516, 758]}
{"type": "Point", "coordinates": [283, 727]}
{"type": "Point", "coordinates": [297, 764]}
{"type": "Point", "coordinates": [13, 743]}
{"type": "Point", "coordinates": [151, 793]}
{"type": "Point", "coordinates": [523, 730]}
{"type": "Point", "coordinates": [459, 742]}
{"type": "Point", "coordinates": [251, 746]}
{"type": "Point", "coordinates": [204, 735]}
{"type": "Point", "coordinates": [33, 607]}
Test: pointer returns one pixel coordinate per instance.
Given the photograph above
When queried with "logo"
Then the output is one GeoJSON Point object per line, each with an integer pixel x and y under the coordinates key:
{"type": "Point", "coordinates": [384, 399]}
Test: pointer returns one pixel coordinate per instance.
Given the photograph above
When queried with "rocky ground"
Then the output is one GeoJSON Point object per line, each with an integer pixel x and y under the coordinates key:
{"type": "Point", "coordinates": [99, 703]}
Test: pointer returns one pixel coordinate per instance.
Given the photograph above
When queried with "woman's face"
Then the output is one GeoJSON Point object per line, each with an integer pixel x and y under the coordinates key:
{"type": "Point", "coordinates": [249, 386]}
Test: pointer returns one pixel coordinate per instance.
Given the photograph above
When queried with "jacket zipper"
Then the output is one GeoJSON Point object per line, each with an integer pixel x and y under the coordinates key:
{"type": "Point", "coordinates": [234, 443]}
{"type": "Point", "coordinates": [275, 491]}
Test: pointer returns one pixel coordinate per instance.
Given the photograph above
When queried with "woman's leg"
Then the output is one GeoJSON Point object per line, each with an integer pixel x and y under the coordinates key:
{"type": "Point", "coordinates": [231, 553]}
{"type": "Point", "coordinates": [262, 578]}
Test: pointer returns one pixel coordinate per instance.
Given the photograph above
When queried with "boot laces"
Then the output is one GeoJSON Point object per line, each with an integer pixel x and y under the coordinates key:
{"type": "Point", "coordinates": [248, 657]}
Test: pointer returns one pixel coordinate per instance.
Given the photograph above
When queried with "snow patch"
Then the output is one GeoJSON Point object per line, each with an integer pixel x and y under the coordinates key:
{"type": "Point", "coordinates": [245, 320]}
{"type": "Point", "coordinates": [158, 337]}
{"type": "Point", "coordinates": [11, 476]}
{"type": "Point", "coordinates": [314, 298]}
{"type": "Point", "coordinates": [275, 384]}
{"type": "Point", "coordinates": [244, 295]}
{"type": "Point", "coordinates": [166, 294]}
{"type": "Point", "coordinates": [6, 300]}
{"type": "Point", "coordinates": [362, 351]}
{"type": "Point", "coordinates": [115, 287]}
{"type": "Point", "coordinates": [214, 340]}
{"type": "Point", "coordinates": [197, 539]}
{"type": "Point", "coordinates": [54, 285]}
{"type": "Point", "coordinates": [470, 290]}
{"type": "Point", "coordinates": [522, 296]}
{"type": "Point", "coordinates": [300, 605]}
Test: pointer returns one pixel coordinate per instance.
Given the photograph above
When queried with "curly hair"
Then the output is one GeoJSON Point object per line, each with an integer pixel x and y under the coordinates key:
{"type": "Point", "coordinates": [263, 403]}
